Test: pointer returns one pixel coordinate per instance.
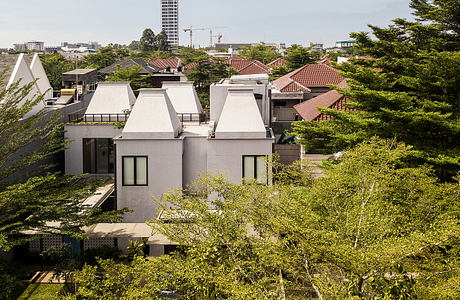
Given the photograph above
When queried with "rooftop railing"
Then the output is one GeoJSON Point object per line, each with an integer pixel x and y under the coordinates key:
{"type": "Point", "coordinates": [97, 118]}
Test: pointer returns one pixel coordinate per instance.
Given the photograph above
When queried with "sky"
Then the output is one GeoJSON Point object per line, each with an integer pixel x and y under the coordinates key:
{"type": "Point", "coordinates": [239, 21]}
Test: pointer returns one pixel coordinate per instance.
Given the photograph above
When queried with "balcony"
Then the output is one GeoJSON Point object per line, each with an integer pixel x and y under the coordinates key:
{"type": "Point", "coordinates": [97, 118]}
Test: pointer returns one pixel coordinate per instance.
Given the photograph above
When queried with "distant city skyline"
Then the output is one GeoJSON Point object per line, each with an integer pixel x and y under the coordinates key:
{"type": "Point", "coordinates": [240, 21]}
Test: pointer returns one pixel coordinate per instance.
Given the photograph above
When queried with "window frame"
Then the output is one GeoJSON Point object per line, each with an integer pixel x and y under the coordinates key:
{"type": "Point", "coordinates": [134, 170]}
{"type": "Point", "coordinates": [255, 168]}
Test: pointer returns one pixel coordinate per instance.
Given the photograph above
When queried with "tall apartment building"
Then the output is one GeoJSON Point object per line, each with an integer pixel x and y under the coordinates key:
{"type": "Point", "coordinates": [170, 20]}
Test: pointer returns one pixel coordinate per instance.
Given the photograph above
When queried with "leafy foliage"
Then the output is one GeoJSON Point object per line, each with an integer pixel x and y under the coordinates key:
{"type": "Point", "coordinates": [262, 53]}
{"type": "Point", "coordinates": [298, 56]}
{"type": "Point", "coordinates": [30, 199]}
{"type": "Point", "coordinates": [55, 65]}
{"type": "Point", "coordinates": [131, 74]}
{"type": "Point", "coordinates": [147, 41]}
{"type": "Point", "coordinates": [369, 229]}
{"type": "Point", "coordinates": [409, 90]}
{"type": "Point", "coordinates": [104, 57]}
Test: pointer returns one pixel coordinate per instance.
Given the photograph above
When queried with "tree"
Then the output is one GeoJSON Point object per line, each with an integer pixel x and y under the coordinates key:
{"type": "Point", "coordinates": [147, 41]}
{"type": "Point", "coordinates": [161, 42]}
{"type": "Point", "coordinates": [134, 45]}
{"type": "Point", "coordinates": [31, 197]}
{"type": "Point", "coordinates": [104, 57]}
{"type": "Point", "coordinates": [132, 75]}
{"type": "Point", "coordinates": [55, 65]}
{"type": "Point", "coordinates": [408, 90]}
{"type": "Point", "coordinates": [369, 229]}
{"type": "Point", "coordinates": [262, 53]}
{"type": "Point", "coordinates": [298, 56]}
{"type": "Point", "coordinates": [192, 55]}
{"type": "Point", "coordinates": [205, 73]}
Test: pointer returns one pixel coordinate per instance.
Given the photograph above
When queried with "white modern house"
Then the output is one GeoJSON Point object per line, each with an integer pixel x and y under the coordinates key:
{"type": "Point", "coordinates": [159, 149]}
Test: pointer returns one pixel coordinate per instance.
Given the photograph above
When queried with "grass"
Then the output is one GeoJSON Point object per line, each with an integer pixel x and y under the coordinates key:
{"type": "Point", "coordinates": [40, 291]}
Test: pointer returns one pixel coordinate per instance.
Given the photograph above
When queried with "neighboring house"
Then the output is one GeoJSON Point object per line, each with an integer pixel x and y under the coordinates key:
{"type": "Point", "coordinates": [168, 64]}
{"type": "Point", "coordinates": [159, 150]}
{"type": "Point", "coordinates": [332, 99]}
{"type": "Point", "coordinates": [279, 62]}
{"type": "Point", "coordinates": [296, 87]}
{"type": "Point", "coordinates": [146, 68]}
{"type": "Point", "coordinates": [247, 66]}
{"type": "Point", "coordinates": [82, 80]}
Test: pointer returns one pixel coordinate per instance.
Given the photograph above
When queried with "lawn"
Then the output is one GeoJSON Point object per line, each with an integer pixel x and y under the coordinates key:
{"type": "Point", "coordinates": [40, 291]}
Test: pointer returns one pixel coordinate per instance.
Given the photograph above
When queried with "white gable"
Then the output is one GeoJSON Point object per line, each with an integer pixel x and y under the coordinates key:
{"type": "Point", "coordinates": [23, 74]}
{"type": "Point", "coordinates": [111, 98]}
{"type": "Point", "coordinates": [153, 117]}
{"type": "Point", "coordinates": [240, 117]}
{"type": "Point", "coordinates": [183, 97]}
{"type": "Point", "coordinates": [42, 80]}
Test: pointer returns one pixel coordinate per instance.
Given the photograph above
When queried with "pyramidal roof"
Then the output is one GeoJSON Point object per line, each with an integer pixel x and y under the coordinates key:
{"type": "Point", "coordinates": [111, 98]}
{"type": "Point", "coordinates": [183, 97]}
{"type": "Point", "coordinates": [240, 117]}
{"type": "Point", "coordinates": [42, 80]}
{"type": "Point", "coordinates": [153, 117]}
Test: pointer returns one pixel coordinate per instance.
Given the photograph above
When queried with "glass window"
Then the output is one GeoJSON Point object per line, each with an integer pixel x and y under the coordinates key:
{"type": "Point", "coordinates": [255, 167]}
{"type": "Point", "coordinates": [134, 170]}
{"type": "Point", "coordinates": [98, 156]}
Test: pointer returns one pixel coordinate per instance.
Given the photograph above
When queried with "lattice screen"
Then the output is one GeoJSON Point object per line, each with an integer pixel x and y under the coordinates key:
{"type": "Point", "coordinates": [92, 243]}
{"type": "Point", "coordinates": [34, 246]}
{"type": "Point", "coordinates": [53, 240]}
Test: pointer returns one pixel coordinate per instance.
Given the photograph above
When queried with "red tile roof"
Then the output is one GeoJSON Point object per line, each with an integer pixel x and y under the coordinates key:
{"type": "Point", "coordinates": [310, 76]}
{"type": "Point", "coordinates": [247, 67]}
{"type": "Point", "coordinates": [332, 99]}
{"type": "Point", "coordinates": [279, 62]}
{"type": "Point", "coordinates": [163, 63]}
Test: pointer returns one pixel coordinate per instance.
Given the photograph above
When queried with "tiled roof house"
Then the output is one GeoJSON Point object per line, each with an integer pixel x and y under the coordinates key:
{"type": "Point", "coordinates": [308, 77]}
{"type": "Point", "coordinates": [332, 99]}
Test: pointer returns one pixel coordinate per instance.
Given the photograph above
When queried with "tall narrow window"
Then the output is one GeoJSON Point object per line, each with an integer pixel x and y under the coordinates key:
{"type": "Point", "coordinates": [98, 156]}
{"type": "Point", "coordinates": [134, 170]}
{"type": "Point", "coordinates": [255, 167]}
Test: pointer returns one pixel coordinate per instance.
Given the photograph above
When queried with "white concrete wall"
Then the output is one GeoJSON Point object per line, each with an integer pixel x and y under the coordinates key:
{"type": "Point", "coordinates": [194, 159]}
{"type": "Point", "coordinates": [164, 174]}
{"type": "Point", "coordinates": [226, 156]}
{"type": "Point", "coordinates": [76, 133]}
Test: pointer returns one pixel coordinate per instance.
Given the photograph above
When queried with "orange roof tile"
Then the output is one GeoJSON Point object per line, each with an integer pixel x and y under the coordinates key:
{"type": "Point", "coordinates": [279, 62]}
{"type": "Point", "coordinates": [310, 76]}
{"type": "Point", "coordinates": [332, 99]}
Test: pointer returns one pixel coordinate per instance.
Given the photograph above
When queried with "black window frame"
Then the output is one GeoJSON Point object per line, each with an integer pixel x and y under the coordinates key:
{"type": "Point", "coordinates": [255, 168]}
{"type": "Point", "coordinates": [135, 170]}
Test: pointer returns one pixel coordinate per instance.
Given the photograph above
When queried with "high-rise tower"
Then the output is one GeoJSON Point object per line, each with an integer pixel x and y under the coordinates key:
{"type": "Point", "coordinates": [170, 20]}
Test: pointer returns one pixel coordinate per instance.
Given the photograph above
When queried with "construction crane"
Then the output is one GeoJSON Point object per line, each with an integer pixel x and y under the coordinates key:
{"type": "Point", "coordinates": [191, 29]}
{"type": "Point", "coordinates": [218, 36]}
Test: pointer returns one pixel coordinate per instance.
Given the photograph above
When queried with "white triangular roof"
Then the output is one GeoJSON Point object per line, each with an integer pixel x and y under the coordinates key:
{"type": "Point", "coordinates": [240, 117]}
{"type": "Point", "coordinates": [111, 98]}
{"type": "Point", "coordinates": [153, 117]}
{"type": "Point", "coordinates": [42, 80]}
{"type": "Point", "coordinates": [183, 97]}
{"type": "Point", "coordinates": [21, 72]}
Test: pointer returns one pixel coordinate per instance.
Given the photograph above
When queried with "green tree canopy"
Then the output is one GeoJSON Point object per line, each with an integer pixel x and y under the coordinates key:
{"type": "Point", "coordinates": [55, 65]}
{"type": "Point", "coordinates": [369, 229]}
{"type": "Point", "coordinates": [410, 90]}
{"type": "Point", "coordinates": [147, 41]}
{"type": "Point", "coordinates": [104, 57]}
{"type": "Point", "coordinates": [31, 199]}
{"type": "Point", "coordinates": [298, 56]}
{"type": "Point", "coordinates": [262, 53]}
{"type": "Point", "coordinates": [161, 41]}
{"type": "Point", "coordinates": [131, 74]}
